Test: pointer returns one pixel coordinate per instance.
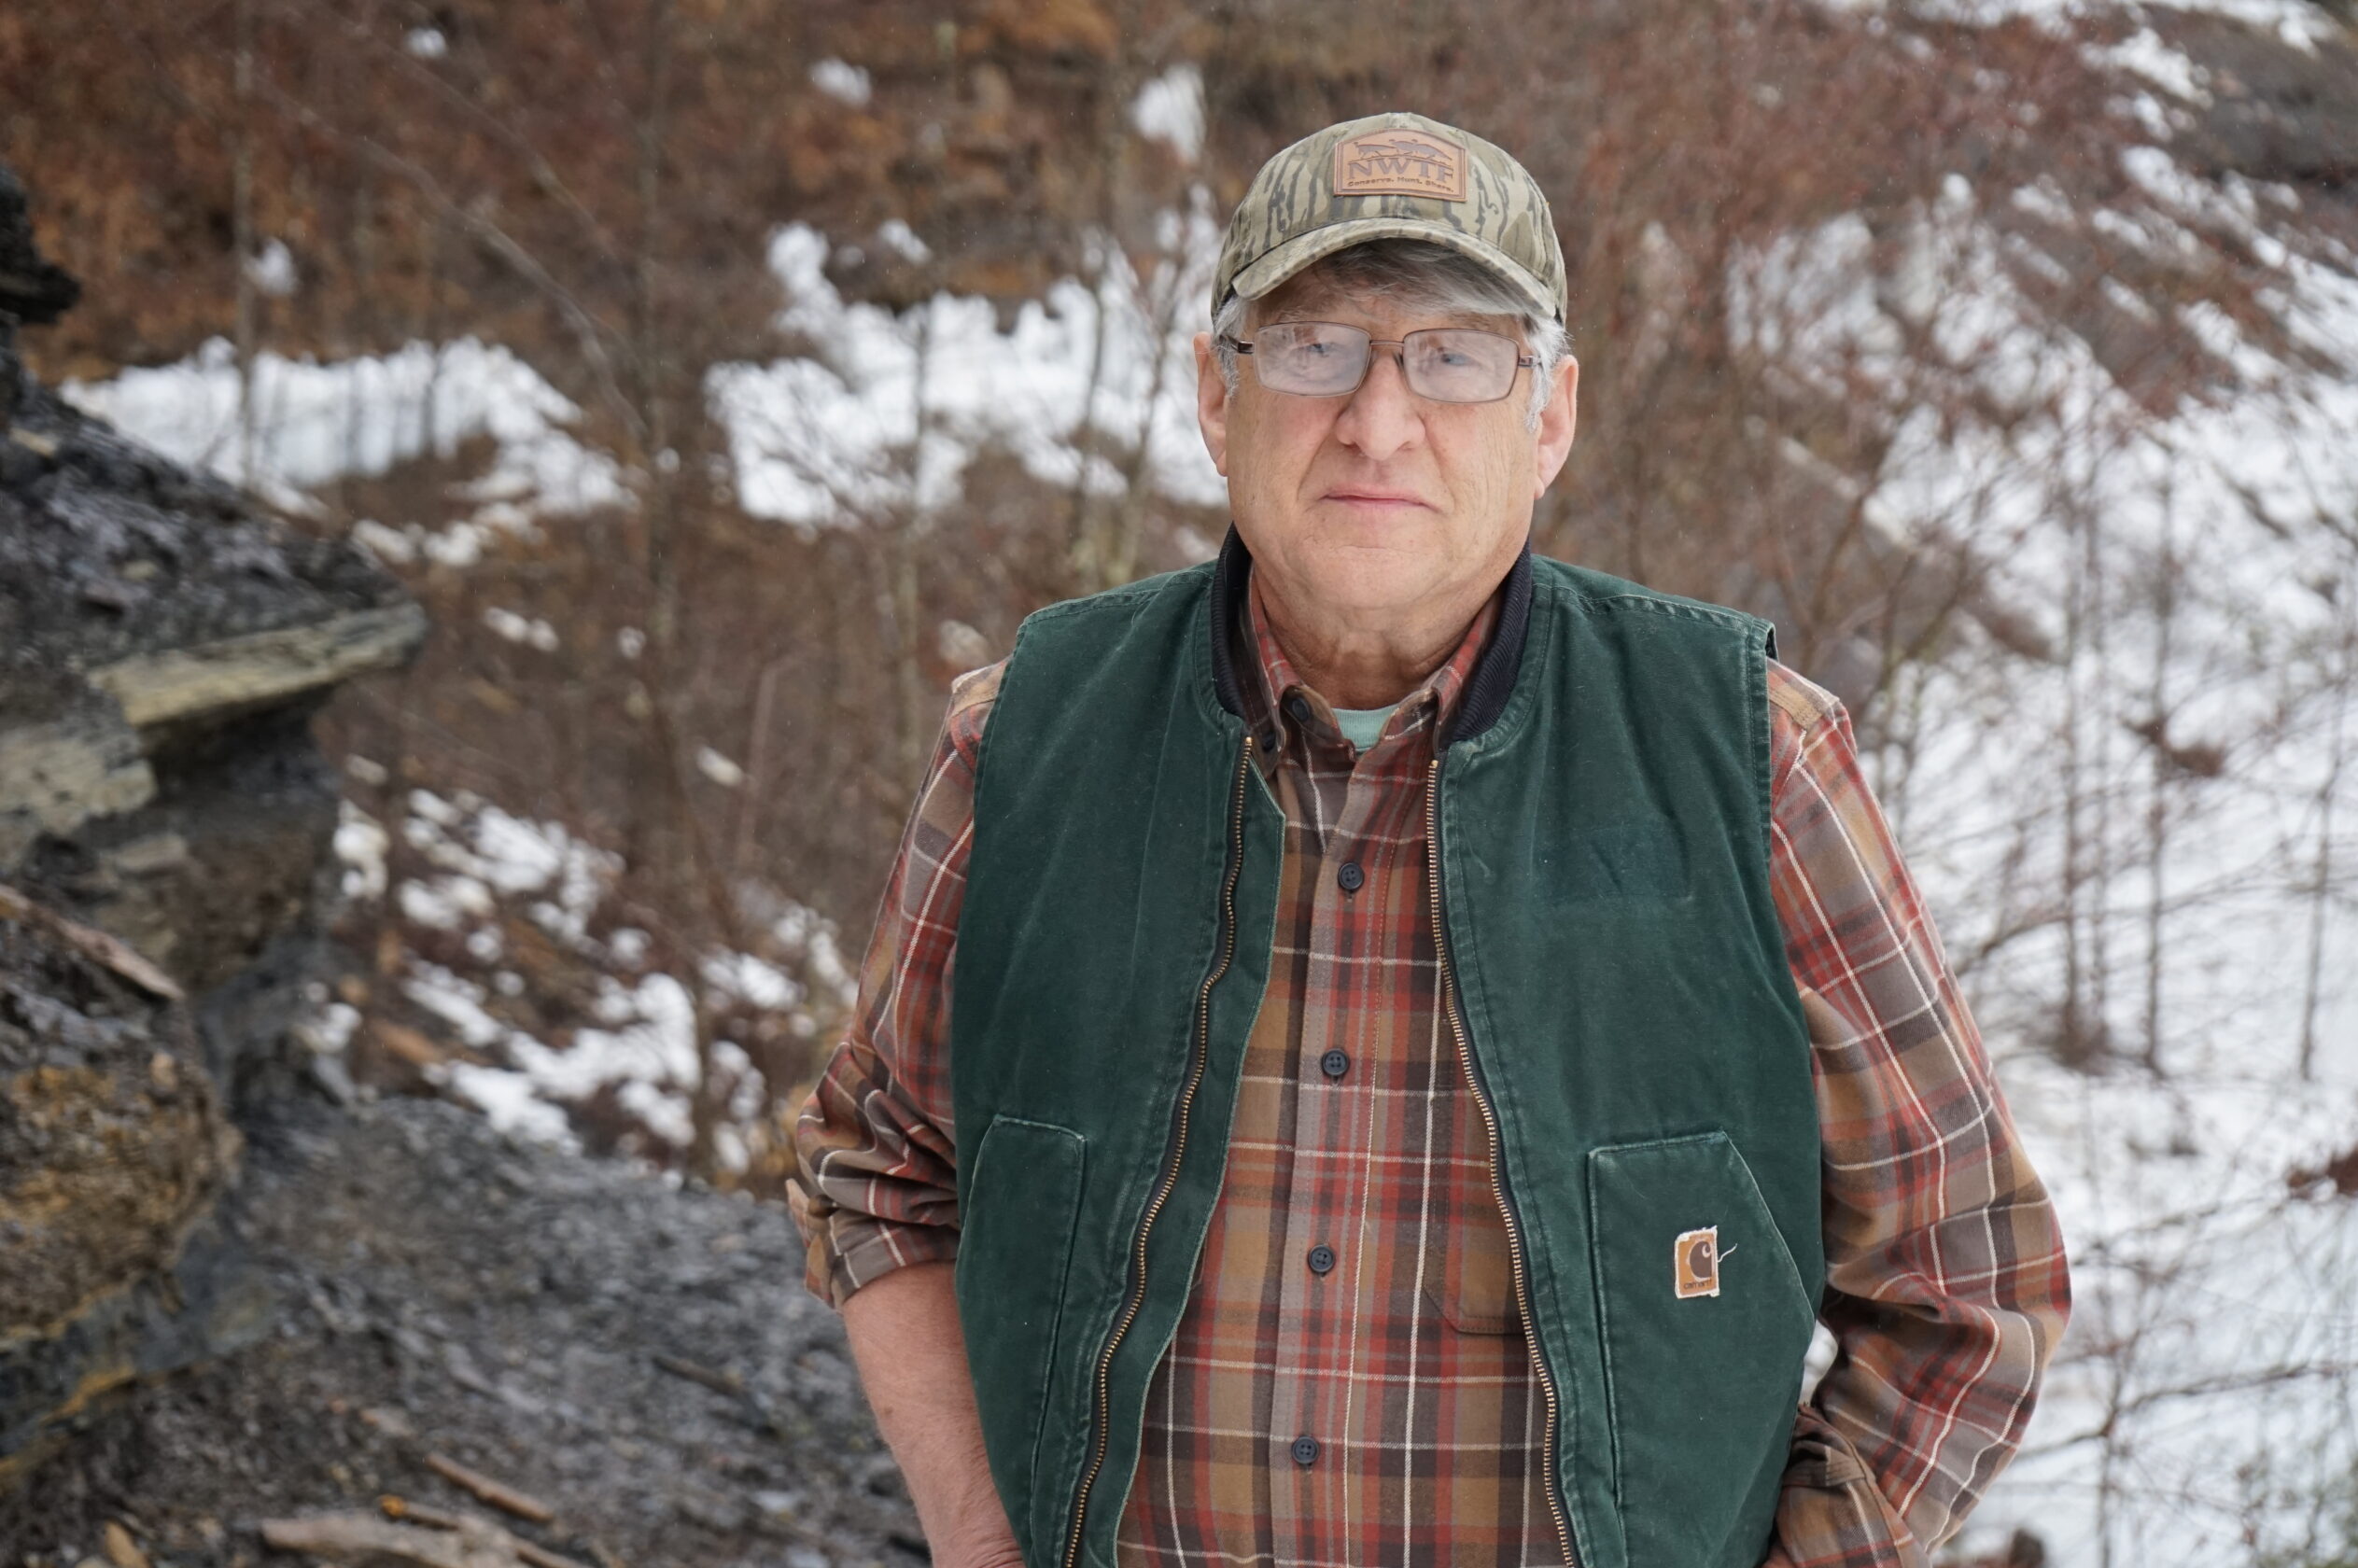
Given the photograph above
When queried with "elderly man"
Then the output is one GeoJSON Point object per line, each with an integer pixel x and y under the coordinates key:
{"type": "Point", "coordinates": [1434, 1027]}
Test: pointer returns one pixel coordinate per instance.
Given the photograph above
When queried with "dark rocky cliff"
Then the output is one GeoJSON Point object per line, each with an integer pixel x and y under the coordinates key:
{"type": "Point", "coordinates": [165, 823]}
{"type": "Point", "coordinates": [164, 875]}
{"type": "Point", "coordinates": [161, 649]}
{"type": "Point", "coordinates": [226, 1297]}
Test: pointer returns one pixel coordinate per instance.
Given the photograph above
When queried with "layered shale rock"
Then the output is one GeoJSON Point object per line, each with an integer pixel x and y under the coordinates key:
{"type": "Point", "coordinates": [165, 829]}
{"type": "Point", "coordinates": [113, 1151]}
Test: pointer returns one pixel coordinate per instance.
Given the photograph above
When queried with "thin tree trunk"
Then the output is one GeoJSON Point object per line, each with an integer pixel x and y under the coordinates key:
{"type": "Point", "coordinates": [1081, 525]}
{"type": "Point", "coordinates": [242, 236]}
{"type": "Point", "coordinates": [685, 876]}
{"type": "Point", "coordinates": [2107, 737]}
{"type": "Point", "coordinates": [1118, 557]}
{"type": "Point", "coordinates": [2076, 1038]}
{"type": "Point", "coordinates": [1090, 568]}
{"type": "Point", "coordinates": [2157, 803]}
{"type": "Point", "coordinates": [2322, 870]}
{"type": "Point", "coordinates": [757, 767]}
{"type": "Point", "coordinates": [916, 721]}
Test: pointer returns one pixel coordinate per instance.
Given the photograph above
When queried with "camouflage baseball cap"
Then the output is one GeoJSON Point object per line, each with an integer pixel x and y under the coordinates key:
{"type": "Point", "coordinates": [1392, 176]}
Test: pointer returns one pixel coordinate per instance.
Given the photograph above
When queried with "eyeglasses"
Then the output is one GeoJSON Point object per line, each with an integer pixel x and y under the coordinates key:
{"type": "Point", "coordinates": [1328, 359]}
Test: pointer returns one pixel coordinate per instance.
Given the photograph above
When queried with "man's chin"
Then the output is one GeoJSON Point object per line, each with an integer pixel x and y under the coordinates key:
{"type": "Point", "coordinates": [1366, 571]}
{"type": "Point", "coordinates": [1374, 584]}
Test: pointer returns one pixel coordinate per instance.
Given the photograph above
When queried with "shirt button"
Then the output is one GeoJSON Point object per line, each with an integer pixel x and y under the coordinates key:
{"type": "Point", "coordinates": [1321, 1259]}
{"type": "Point", "coordinates": [1305, 1450]}
{"type": "Point", "coordinates": [1334, 1064]}
{"type": "Point", "coordinates": [1299, 706]}
{"type": "Point", "coordinates": [1351, 876]}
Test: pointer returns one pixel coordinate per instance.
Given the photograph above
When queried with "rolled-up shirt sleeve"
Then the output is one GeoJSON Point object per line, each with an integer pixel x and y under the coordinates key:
{"type": "Point", "coordinates": [1946, 1284]}
{"type": "Point", "coordinates": [876, 1186]}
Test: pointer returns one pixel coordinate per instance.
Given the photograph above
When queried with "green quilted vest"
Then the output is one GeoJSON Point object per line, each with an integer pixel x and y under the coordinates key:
{"type": "Point", "coordinates": [1618, 988]}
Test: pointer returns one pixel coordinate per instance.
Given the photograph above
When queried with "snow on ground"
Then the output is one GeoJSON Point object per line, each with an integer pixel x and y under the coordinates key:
{"type": "Point", "coordinates": [477, 868]}
{"type": "Point", "coordinates": [883, 414]}
{"type": "Point", "coordinates": [1169, 108]}
{"type": "Point", "coordinates": [875, 416]}
{"type": "Point", "coordinates": [842, 81]}
{"type": "Point", "coordinates": [314, 423]}
{"type": "Point", "coordinates": [879, 413]}
{"type": "Point", "coordinates": [2203, 567]}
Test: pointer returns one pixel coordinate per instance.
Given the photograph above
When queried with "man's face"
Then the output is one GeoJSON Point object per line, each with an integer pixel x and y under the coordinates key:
{"type": "Point", "coordinates": [1379, 501]}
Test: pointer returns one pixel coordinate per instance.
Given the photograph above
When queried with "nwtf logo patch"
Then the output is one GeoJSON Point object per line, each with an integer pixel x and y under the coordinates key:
{"type": "Point", "coordinates": [1400, 164]}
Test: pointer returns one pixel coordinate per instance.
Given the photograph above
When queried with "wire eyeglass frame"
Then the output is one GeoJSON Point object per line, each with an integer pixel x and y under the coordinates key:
{"type": "Point", "coordinates": [1411, 371]}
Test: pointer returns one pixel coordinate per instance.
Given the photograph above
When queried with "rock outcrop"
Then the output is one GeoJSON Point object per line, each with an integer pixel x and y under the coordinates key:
{"type": "Point", "coordinates": [637, 1356]}
{"type": "Point", "coordinates": [165, 833]}
{"type": "Point", "coordinates": [113, 1151]}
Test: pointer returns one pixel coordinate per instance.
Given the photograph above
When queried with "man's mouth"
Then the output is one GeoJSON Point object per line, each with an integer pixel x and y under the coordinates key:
{"type": "Point", "coordinates": [1375, 499]}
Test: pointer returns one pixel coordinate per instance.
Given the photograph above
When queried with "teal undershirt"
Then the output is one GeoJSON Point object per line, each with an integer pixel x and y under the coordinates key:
{"type": "Point", "coordinates": [1362, 725]}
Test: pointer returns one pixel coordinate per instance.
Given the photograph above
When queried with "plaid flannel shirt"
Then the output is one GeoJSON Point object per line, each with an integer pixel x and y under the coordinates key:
{"type": "Point", "coordinates": [1355, 1284]}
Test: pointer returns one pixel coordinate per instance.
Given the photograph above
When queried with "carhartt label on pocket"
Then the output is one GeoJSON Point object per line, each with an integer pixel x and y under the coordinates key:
{"type": "Point", "coordinates": [1696, 1262]}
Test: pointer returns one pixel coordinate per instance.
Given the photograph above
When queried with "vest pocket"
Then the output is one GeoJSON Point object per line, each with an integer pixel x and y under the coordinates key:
{"type": "Point", "coordinates": [1014, 1249]}
{"type": "Point", "coordinates": [1704, 1321]}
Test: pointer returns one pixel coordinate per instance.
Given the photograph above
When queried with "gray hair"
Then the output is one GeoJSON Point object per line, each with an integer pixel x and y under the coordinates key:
{"type": "Point", "coordinates": [1428, 276]}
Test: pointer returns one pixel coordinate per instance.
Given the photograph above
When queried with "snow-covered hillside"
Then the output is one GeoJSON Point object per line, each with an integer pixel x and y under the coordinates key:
{"type": "Point", "coordinates": [2138, 831]}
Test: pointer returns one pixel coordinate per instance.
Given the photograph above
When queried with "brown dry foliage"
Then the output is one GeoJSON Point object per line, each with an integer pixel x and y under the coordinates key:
{"type": "Point", "coordinates": [590, 182]}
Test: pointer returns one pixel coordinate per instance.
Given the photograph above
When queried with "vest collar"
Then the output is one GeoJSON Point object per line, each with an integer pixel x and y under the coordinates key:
{"type": "Point", "coordinates": [1487, 689]}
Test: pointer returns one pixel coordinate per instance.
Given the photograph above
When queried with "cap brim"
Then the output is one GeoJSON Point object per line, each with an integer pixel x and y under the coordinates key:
{"type": "Point", "coordinates": [1274, 267]}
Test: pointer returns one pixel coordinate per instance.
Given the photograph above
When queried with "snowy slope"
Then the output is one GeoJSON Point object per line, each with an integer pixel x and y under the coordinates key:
{"type": "Point", "coordinates": [2190, 883]}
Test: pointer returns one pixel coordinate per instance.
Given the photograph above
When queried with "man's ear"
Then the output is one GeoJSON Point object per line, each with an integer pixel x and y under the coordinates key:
{"type": "Point", "coordinates": [1557, 423]}
{"type": "Point", "coordinates": [1212, 403]}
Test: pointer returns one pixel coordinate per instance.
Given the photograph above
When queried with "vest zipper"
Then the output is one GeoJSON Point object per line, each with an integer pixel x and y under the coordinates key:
{"type": "Point", "coordinates": [1490, 1123]}
{"type": "Point", "coordinates": [1178, 1149]}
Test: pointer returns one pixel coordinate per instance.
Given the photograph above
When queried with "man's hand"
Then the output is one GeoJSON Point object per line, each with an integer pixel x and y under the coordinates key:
{"type": "Point", "coordinates": [911, 1353]}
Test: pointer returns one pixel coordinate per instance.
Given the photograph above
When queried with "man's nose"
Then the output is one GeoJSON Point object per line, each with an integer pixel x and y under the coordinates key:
{"type": "Point", "coordinates": [1383, 416]}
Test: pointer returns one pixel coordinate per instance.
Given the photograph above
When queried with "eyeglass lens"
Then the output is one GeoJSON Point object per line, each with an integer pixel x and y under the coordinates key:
{"type": "Point", "coordinates": [1327, 358]}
